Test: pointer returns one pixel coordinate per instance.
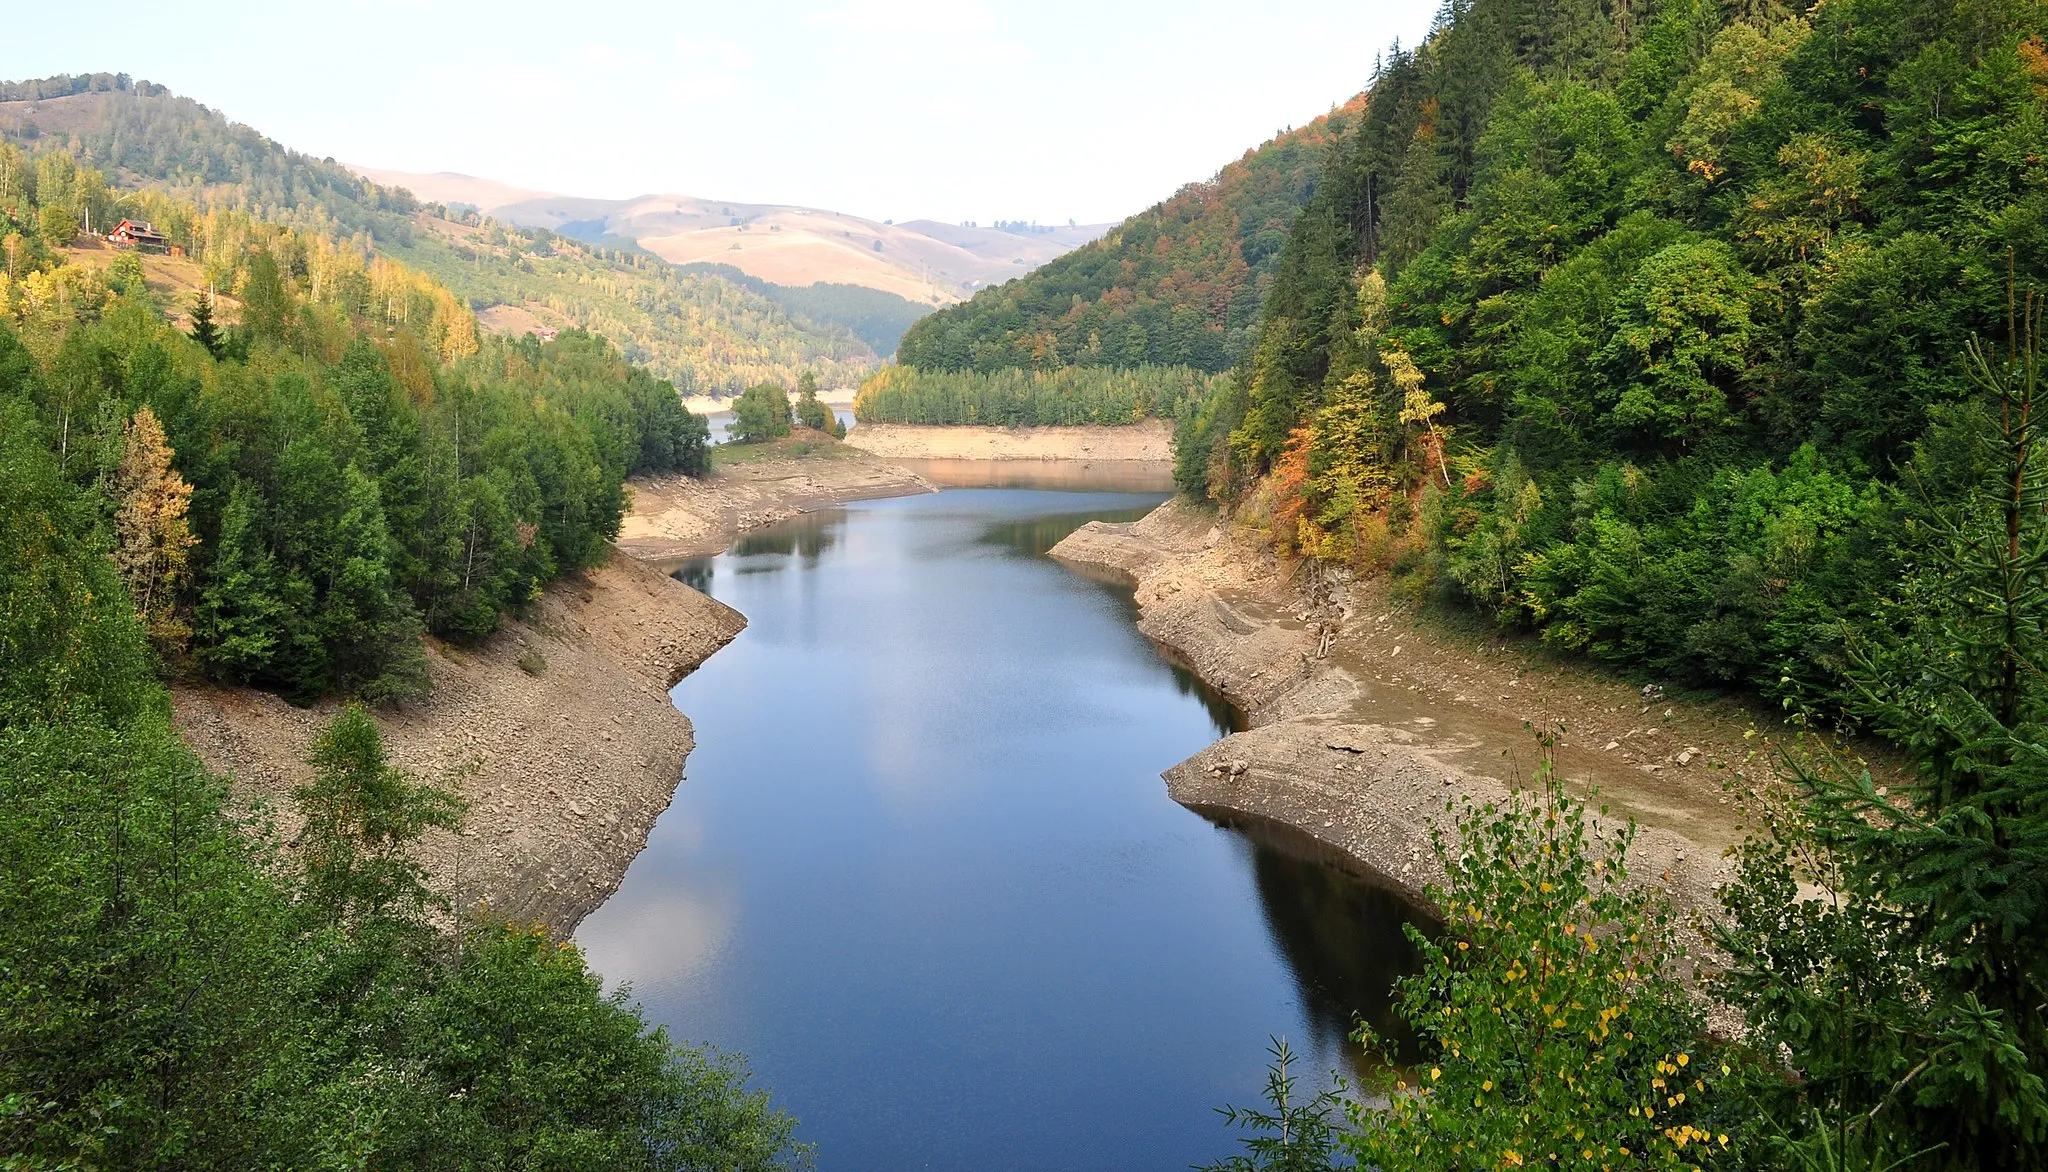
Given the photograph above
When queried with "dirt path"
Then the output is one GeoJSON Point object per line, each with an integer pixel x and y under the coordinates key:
{"type": "Point", "coordinates": [1366, 719]}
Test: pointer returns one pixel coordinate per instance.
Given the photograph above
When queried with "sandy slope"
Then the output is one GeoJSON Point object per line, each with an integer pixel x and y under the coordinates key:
{"type": "Point", "coordinates": [673, 517]}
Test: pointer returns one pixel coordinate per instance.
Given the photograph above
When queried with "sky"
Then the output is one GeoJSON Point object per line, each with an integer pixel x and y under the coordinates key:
{"type": "Point", "coordinates": [891, 109]}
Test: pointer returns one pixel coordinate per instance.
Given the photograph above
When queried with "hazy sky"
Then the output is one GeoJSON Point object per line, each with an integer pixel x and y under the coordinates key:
{"type": "Point", "coordinates": [975, 110]}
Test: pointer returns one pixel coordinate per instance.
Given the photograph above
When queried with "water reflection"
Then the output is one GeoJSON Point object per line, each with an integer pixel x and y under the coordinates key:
{"type": "Point", "coordinates": [925, 875]}
{"type": "Point", "coordinates": [1034, 536]}
{"type": "Point", "coordinates": [1341, 932]}
{"type": "Point", "coordinates": [806, 537]}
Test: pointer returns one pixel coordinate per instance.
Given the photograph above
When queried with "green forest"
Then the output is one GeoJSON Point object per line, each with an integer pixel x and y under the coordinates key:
{"type": "Point", "coordinates": [291, 501]}
{"type": "Point", "coordinates": [1179, 284]}
{"type": "Point", "coordinates": [1066, 396]}
{"type": "Point", "coordinates": [1703, 340]}
{"type": "Point", "coordinates": [876, 317]}
{"type": "Point", "coordinates": [1633, 340]}
{"type": "Point", "coordinates": [703, 332]}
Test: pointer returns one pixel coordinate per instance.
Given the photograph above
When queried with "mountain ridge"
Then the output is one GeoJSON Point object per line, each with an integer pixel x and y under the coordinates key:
{"type": "Point", "coordinates": [923, 261]}
{"type": "Point", "coordinates": [1178, 284]}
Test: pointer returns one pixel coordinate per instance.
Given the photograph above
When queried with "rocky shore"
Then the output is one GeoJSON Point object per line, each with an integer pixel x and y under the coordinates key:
{"type": "Point", "coordinates": [1365, 721]}
{"type": "Point", "coordinates": [1148, 440]}
{"type": "Point", "coordinates": [676, 517]}
{"type": "Point", "coordinates": [557, 730]}
{"type": "Point", "coordinates": [565, 762]}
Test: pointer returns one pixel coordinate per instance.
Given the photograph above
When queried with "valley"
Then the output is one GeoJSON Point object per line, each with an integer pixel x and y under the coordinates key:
{"type": "Point", "coordinates": [1506, 614]}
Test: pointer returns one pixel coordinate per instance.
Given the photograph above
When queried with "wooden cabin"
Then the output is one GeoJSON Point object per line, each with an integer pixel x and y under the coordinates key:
{"type": "Point", "coordinates": [140, 235]}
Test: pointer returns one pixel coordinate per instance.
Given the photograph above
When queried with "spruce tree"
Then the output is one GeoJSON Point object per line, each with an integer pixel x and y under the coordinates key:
{"type": "Point", "coordinates": [204, 331]}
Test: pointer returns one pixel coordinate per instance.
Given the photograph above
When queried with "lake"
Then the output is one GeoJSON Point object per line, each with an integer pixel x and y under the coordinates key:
{"type": "Point", "coordinates": [923, 871]}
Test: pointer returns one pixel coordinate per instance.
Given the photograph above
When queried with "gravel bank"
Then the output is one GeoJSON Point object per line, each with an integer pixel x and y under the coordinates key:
{"type": "Point", "coordinates": [564, 771]}
{"type": "Point", "coordinates": [1365, 720]}
{"type": "Point", "coordinates": [675, 517]}
{"type": "Point", "coordinates": [1148, 440]}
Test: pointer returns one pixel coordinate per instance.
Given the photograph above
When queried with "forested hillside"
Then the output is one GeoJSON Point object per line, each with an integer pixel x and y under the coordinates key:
{"type": "Point", "coordinates": [290, 501]}
{"type": "Point", "coordinates": [699, 331]}
{"type": "Point", "coordinates": [1067, 397]}
{"type": "Point", "coordinates": [1627, 324]}
{"type": "Point", "coordinates": [346, 466]}
{"type": "Point", "coordinates": [1179, 284]}
{"type": "Point", "coordinates": [875, 317]}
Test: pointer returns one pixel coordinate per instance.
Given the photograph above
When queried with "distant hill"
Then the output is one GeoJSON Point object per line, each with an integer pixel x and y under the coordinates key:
{"type": "Point", "coordinates": [922, 261]}
{"type": "Point", "coordinates": [1179, 284]}
{"type": "Point", "coordinates": [700, 330]}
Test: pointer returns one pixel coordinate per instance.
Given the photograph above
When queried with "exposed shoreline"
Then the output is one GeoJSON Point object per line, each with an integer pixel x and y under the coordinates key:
{"type": "Point", "coordinates": [671, 518]}
{"type": "Point", "coordinates": [1365, 720]}
{"type": "Point", "coordinates": [564, 772]}
{"type": "Point", "coordinates": [1148, 440]}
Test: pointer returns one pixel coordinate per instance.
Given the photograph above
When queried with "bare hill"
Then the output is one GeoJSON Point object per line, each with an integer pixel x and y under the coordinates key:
{"type": "Point", "coordinates": [923, 261]}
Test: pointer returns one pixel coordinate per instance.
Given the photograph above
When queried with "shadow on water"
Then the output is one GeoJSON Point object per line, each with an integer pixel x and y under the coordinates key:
{"type": "Point", "coordinates": [1034, 536]}
{"type": "Point", "coordinates": [1341, 931]}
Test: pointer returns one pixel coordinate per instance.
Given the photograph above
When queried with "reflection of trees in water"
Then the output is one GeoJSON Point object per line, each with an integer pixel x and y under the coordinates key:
{"type": "Point", "coordinates": [695, 573]}
{"type": "Point", "coordinates": [1033, 536]}
{"type": "Point", "coordinates": [1341, 933]}
{"type": "Point", "coordinates": [807, 537]}
{"type": "Point", "coordinates": [1222, 713]}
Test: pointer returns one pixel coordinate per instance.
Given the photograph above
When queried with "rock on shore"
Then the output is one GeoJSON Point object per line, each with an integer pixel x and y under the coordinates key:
{"type": "Point", "coordinates": [1365, 722]}
{"type": "Point", "coordinates": [564, 771]}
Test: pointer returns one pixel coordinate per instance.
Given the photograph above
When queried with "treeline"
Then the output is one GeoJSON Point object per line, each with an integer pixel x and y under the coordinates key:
{"type": "Point", "coordinates": [346, 467]}
{"type": "Point", "coordinates": [185, 988]}
{"type": "Point", "coordinates": [701, 332]}
{"type": "Point", "coordinates": [1621, 325]}
{"type": "Point", "coordinates": [1066, 396]}
{"type": "Point", "coordinates": [63, 85]}
{"type": "Point", "coordinates": [1177, 285]}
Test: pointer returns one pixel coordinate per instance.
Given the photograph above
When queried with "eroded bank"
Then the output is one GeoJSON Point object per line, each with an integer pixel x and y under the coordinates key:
{"type": "Point", "coordinates": [1365, 721]}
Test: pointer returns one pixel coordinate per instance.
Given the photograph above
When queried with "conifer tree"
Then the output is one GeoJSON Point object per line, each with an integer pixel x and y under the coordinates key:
{"type": "Point", "coordinates": [204, 331]}
{"type": "Point", "coordinates": [152, 537]}
{"type": "Point", "coordinates": [240, 618]}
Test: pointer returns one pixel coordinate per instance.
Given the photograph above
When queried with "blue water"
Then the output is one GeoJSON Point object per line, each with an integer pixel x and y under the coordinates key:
{"type": "Point", "coordinates": [924, 874]}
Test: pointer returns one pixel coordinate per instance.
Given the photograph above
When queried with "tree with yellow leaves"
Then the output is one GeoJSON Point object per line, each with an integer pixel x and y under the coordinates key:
{"type": "Point", "coordinates": [1416, 405]}
{"type": "Point", "coordinates": [152, 537]}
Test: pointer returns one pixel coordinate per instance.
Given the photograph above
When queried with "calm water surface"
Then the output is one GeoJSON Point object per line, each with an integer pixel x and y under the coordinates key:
{"type": "Point", "coordinates": [924, 873]}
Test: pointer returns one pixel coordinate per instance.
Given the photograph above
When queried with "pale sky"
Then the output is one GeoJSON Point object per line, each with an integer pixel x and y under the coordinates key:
{"type": "Point", "coordinates": [972, 110]}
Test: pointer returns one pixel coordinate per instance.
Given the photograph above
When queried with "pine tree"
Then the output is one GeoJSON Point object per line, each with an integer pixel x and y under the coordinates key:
{"type": "Point", "coordinates": [204, 331]}
{"type": "Point", "coordinates": [1911, 995]}
{"type": "Point", "coordinates": [241, 618]}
